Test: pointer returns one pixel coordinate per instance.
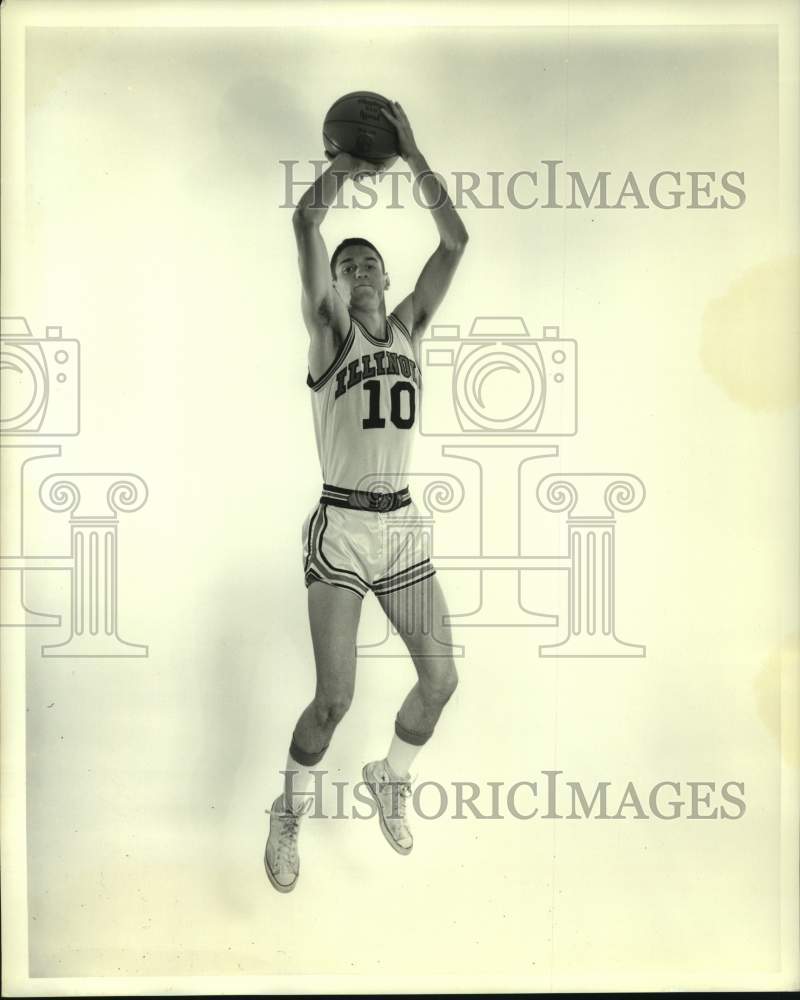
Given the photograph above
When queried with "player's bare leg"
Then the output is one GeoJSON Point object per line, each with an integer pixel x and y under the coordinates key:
{"type": "Point", "coordinates": [417, 613]}
{"type": "Point", "coordinates": [333, 614]}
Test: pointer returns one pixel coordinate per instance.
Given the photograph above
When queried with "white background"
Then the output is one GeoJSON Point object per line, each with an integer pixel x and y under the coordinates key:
{"type": "Point", "coordinates": [153, 233]}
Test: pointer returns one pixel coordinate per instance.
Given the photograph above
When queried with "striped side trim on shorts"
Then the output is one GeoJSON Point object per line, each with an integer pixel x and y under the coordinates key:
{"type": "Point", "coordinates": [404, 578]}
{"type": "Point", "coordinates": [318, 567]}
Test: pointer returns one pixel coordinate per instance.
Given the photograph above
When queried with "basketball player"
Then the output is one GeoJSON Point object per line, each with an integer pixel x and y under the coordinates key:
{"type": "Point", "coordinates": [365, 391]}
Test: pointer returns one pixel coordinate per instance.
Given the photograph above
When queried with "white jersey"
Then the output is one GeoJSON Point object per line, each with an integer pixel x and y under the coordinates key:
{"type": "Point", "coordinates": [366, 409]}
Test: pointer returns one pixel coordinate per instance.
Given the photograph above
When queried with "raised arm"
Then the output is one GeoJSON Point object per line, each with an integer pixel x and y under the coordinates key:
{"type": "Point", "coordinates": [417, 308]}
{"type": "Point", "coordinates": [323, 308]}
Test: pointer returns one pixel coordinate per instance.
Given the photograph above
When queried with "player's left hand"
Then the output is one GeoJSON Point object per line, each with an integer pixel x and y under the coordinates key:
{"type": "Point", "coordinates": [406, 144]}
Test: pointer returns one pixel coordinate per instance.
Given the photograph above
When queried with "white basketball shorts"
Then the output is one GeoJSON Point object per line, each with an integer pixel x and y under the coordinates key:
{"type": "Point", "coordinates": [364, 541]}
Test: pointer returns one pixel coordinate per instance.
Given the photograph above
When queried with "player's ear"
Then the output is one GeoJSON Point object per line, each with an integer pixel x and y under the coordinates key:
{"type": "Point", "coordinates": [386, 282]}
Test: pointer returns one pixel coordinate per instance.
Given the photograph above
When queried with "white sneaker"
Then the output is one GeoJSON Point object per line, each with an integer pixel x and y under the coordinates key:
{"type": "Point", "coordinates": [281, 860]}
{"type": "Point", "coordinates": [390, 795]}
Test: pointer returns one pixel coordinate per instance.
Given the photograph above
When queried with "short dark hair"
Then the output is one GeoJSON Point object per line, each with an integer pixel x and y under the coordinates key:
{"type": "Point", "coordinates": [353, 241]}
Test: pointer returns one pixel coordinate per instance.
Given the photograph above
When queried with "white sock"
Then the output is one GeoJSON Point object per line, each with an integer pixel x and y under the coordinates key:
{"type": "Point", "coordinates": [401, 756]}
{"type": "Point", "coordinates": [302, 785]}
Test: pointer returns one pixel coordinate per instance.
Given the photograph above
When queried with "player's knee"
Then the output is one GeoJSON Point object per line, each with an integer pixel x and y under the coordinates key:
{"type": "Point", "coordinates": [333, 708]}
{"type": "Point", "coordinates": [443, 683]}
{"type": "Point", "coordinates": [450, 682]}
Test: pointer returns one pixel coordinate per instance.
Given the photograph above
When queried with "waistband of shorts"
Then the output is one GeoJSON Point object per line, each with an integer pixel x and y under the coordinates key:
{"type": "Point", "coordinates": [374, 500]}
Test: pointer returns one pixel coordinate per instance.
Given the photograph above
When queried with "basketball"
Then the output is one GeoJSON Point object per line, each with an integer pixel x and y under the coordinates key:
{"type": "Point", "coordinates": [354, 124]}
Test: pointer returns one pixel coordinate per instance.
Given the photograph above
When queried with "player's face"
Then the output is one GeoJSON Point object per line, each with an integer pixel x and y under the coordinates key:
{"type": "Point", "coordinates": [360, 278]}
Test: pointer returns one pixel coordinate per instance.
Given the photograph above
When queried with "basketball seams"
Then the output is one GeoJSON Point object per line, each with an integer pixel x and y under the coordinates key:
{"type": "Point", "coordinates": [363, 125]}
{"type": "Point", "coordinates": [347, 121]}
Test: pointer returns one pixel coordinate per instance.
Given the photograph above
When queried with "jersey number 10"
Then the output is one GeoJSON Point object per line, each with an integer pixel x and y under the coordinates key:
{"type": "Point", "coordinates": [396, 393]}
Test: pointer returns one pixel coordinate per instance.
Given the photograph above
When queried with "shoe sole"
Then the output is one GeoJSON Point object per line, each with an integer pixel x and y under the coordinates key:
{"type": "Point", "coordinates": [275, 884]}
{"type": "Point", "coordinates": [384, 829]}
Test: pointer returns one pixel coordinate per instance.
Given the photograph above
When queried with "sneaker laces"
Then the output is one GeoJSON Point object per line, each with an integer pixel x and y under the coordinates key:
{"type": "Point", "coordinates": [403, 786]}
{"type": "Point", "coordinates": [287, 836]}
{"type": "Point", "coordinates": [405, 793]}
{"type": "Point", "coordinates": [288, 829]}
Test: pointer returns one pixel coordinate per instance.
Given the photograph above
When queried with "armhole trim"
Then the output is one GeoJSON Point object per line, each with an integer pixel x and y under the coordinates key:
{"type": "Point", "coordinates": [402, 327]}
{"type": "Point", "coordinates": [320, 382]}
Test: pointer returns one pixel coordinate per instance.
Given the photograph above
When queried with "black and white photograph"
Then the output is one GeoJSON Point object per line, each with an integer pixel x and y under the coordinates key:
{"type": "Point", "coordinates": [399, 548]}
